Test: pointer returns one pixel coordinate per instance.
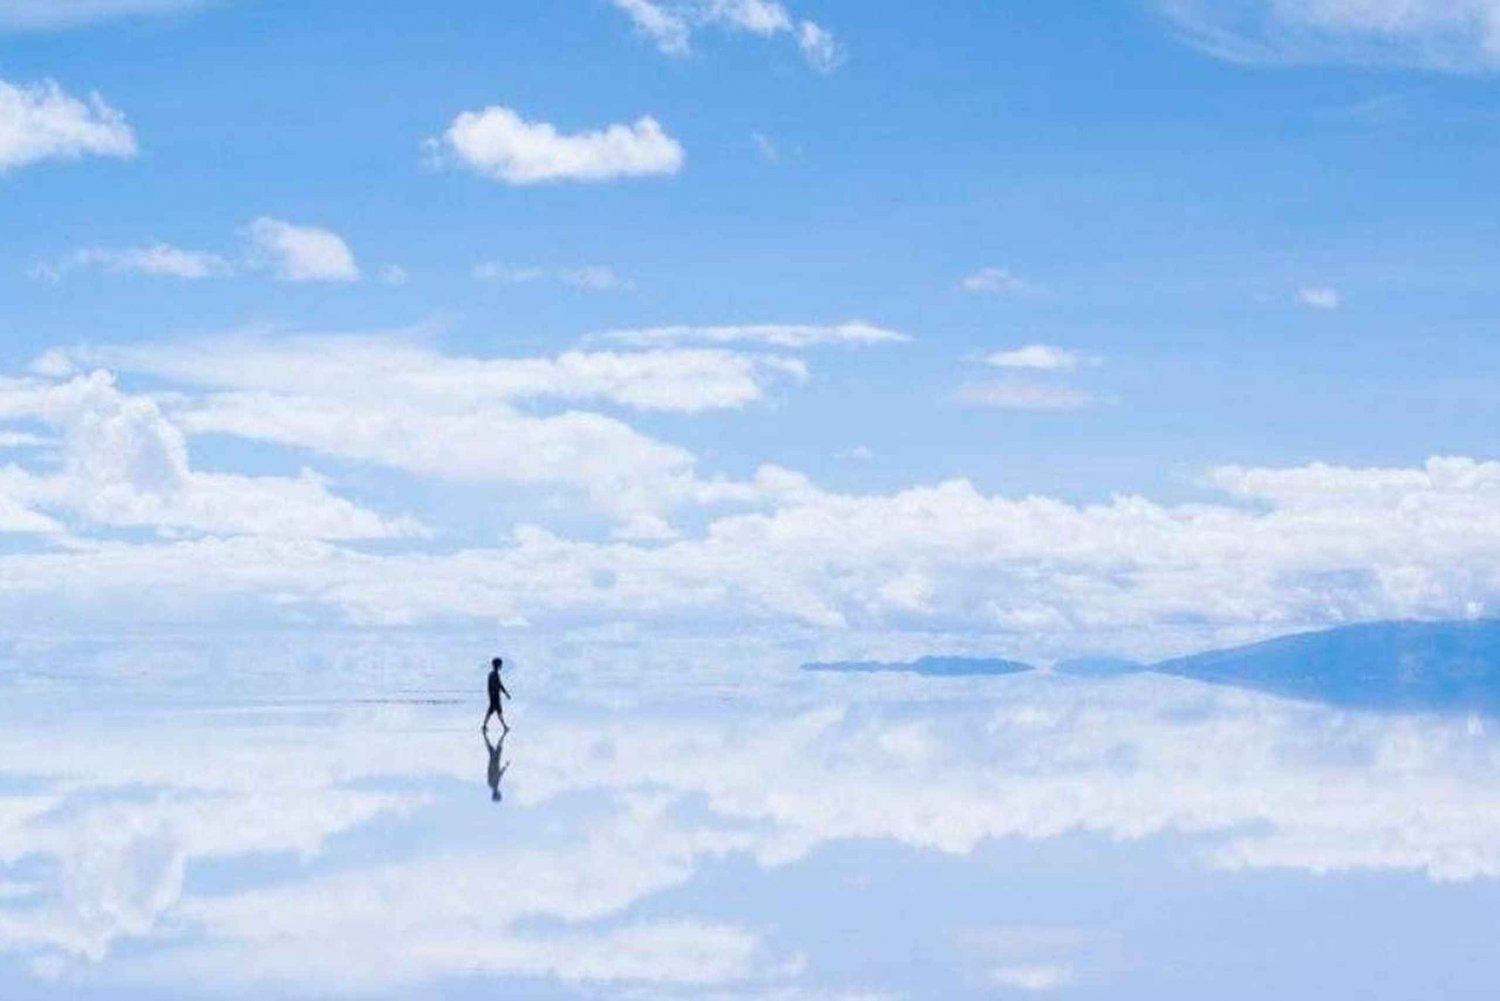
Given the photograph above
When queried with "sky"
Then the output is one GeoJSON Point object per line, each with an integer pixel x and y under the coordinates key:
{"type": "Point", "coordinates": [821, 327]}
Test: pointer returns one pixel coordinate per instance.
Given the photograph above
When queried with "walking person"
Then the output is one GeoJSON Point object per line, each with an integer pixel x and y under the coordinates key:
{"type": "Point", "coordinates": [497, 689]}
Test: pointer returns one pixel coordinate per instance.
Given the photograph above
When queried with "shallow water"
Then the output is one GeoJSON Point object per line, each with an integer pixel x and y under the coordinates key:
{"type": "Point", "coordinates": [823, 837]}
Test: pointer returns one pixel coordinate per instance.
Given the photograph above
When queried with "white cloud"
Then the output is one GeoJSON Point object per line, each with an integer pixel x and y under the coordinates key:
{"type": "Point", "coordinates": [18, 519]}
{"type": "Point", "coordinates": [394, 275]}
{"type": "Point", "coordinates": [1320, 298]}
{"type": "Point", "coordinates": [124, 464]}
{"type": "Point", "coordinates": [510, 274]}
{"type": "Point", "coordinates": [1034, 576]}
{"type": "Point", "coordinates": [663, 25]}
{"type": "Point", "coordinates": [1042, 357]}
{"type": "Point", "coordinates": [1034, 979]}
{"type": "Point", "coordinates": [395, 403]}
{"type": "Point", "coordinates": [1281, 550]}
{"type": "Point", "coordinates": [822, 51]}
{"type": "Point", "coordinates": [26, 15]}
{"type": "Point", "coordinates": [853, 332]}
{"type": "Point", "coordinates": [591, 278]}
{"type": "Point", "coordinates": [41, 122]}
{"type": "Point", "coordinates": [302, 253]}
{"type": "Point", "coordinates": [766, 147]}
{"type": "Point", "coordinates": [159, 259]}
{"type": "Point", "coordinates": [995, 281]}
{"type": "Point", "coordinates": [1450, 35]}
{"type": "Point", "coordinates": [1011, 395]}
{"type": "Point", "coordinates": [499, 144]}
{"type": "Point", "coordinates": [671, 24]}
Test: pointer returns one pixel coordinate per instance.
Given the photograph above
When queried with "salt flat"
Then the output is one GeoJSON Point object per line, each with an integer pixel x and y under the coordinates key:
{"type": "Point", "coordinates": [817, 837]}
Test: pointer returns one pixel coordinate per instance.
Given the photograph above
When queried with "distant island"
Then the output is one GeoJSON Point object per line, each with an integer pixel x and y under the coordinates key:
{"type": "Point", "coordinates": [1097, 667]}
{"type": "Point", "coordinates": [1378, 665]}
{"type": "Point", "coordinates": [1441, 666]}
{"type": "Point", "coordinates": [947, 667]}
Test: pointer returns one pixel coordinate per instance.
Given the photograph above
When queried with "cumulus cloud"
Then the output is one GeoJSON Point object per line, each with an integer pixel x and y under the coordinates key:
{"type": "Point", "coordinates": [42, 122]}
{"type": "Point", "coordinates": [1450, 35]}
{"type": "Point", "coordinates": [301, 253]}
{"type": "Point", "coordinates": [396, 403]}
{"type": "Point", "coordinates": [671, 24]}
{"type": "Point", "coordinates": [24, 15]}
{"type": "Point", "coordinates": [1320, 297]}
{"type": "Point", "coordinates": [1042, 357]}
{"type": "Point", "coordinates": [1279, 550]}
{"type": "Point", "coordinates": [158, 259]}
{"type": "Point", "coordinates": [1032, 575]}
{"type": "Point", "coordinates": [590, 278]}
{"type": "Point", "coordinates": [854, 332]}
{"type": "Point", "coordinates": [125, 464]}
{"type": "Point", "coordinates": [995, 281]}
{"type": "Point", "coordinates": [498, 143]}
{"type": "Point", "coordinates": [18, 519]}
{"type": "Point", "coordinates": [1012, 395]}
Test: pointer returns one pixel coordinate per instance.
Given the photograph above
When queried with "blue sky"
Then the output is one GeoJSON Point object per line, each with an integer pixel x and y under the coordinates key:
{"type": "Point", "coordinates": [1240, 241]}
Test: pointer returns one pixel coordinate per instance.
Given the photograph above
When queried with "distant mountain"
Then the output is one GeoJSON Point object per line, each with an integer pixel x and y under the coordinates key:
{"type": "Point", "coordinates": [1097, 667]}
{"type": "Point", "coordinates": [1385, 665]}
{"type": "Point", "coordinates": [931, 666]}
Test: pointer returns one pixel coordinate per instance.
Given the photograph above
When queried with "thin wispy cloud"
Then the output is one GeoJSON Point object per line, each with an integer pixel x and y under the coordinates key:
{"type": "Point", "coordinates": [288, 252]}
{"type": "Point", "coordinates": [1320, 297]}
{"type": "Point", "coordinates": [855, 332]}
{"type": "Point", "coordinates": [1032, 979]}
{"type": "Point", "coordinates": [821, 50]}
{"type": "Point", "coordinates": [41, 121]}
{"type": "Point", "coordinates": [1018, 395]}
{"type": "Point", "coordinates": [590, 278]}
{"type": "Point", "coordinates": [1041, 357]}
{"type": "Point", "coordinates": [995, 281]}
{"type": "Point", "coordinates": [157, 259]}
{"type": "Point", "coordinates": [41, 15]}
{"type": "Point", "coordinates": [672, 24]}
{"type": "Point", "coordinates": [497, 143]}
{"type": "Point", "coordinates": [766, 147]}
{"type": "Point", "coordinates": [1445, 35]}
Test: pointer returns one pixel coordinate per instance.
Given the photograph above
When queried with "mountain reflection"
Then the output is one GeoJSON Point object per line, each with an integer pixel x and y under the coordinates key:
{"type": "Point", "coordinates": [291, 847]}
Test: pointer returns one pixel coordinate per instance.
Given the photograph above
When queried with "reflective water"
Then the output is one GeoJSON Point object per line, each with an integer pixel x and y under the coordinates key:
{"type": "Point", "coordinates": [822, 837]}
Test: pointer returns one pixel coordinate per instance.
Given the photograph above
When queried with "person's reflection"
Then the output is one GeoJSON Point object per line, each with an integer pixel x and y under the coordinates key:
{"type": "Point", "coordinates": [496, 770]}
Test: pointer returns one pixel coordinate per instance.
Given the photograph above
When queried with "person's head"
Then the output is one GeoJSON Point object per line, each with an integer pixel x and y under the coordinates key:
{"type": "Point", "coordinates": [495, 664]}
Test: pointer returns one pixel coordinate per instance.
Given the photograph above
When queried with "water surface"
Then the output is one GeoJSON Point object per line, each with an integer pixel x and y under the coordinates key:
{"type": "Point", "coordinates": [819, 837]}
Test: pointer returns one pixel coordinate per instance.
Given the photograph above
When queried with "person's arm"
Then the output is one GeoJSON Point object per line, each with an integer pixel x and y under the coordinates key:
{"type": "Point", "coordinates": [503, 691]}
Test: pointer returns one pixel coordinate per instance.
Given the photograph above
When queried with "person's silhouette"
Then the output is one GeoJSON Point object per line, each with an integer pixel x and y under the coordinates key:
{"type": "Point", "coordinates": [496, 770]}
{"type": "Point", "coordinates": [497, 689]}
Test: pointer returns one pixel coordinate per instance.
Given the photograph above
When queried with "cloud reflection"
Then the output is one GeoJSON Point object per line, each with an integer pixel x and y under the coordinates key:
{"type": "Point", "coordinates": [289, 848]}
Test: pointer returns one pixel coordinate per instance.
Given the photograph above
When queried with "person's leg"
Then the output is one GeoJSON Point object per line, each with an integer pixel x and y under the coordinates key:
{"type": "Point", "coordinates": [500, 711]}
{"type": "Point", "coordinates": [486, 724]}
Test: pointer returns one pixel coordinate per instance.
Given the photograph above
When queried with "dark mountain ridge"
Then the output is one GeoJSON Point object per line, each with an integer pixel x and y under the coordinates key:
{"type": "Point", "coordinates": [1384, 665]}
